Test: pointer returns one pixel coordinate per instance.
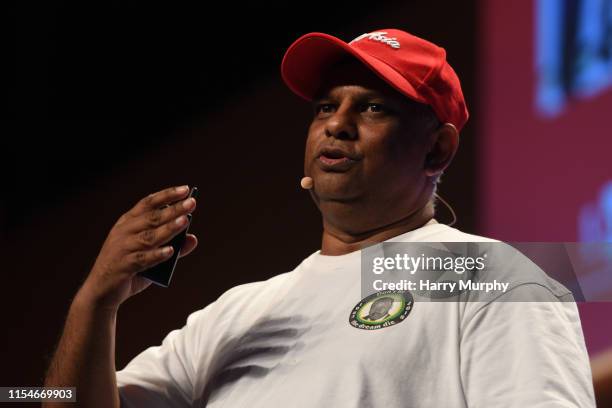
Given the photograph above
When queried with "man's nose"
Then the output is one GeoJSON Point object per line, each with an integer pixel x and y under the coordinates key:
{"type": "Point", "coordinates": [341, 125]}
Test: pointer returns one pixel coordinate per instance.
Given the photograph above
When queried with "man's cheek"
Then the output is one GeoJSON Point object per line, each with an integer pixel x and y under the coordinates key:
{"type": "Point", "coordinates": [309, 149]}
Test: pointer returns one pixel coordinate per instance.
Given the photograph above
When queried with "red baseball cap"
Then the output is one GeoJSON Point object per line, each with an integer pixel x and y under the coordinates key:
{"type": "Point", "coordinates": [415, 67]}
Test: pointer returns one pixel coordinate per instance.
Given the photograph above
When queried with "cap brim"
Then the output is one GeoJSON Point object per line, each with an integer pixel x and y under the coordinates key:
{"type": "Point", "coordinates": [310, 56]}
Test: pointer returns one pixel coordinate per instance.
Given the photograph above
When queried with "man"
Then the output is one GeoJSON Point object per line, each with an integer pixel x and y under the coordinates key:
{"type": "Point", "coordinates": [379, 309]}
{"type": "Point", "coordinates": [388, 109]}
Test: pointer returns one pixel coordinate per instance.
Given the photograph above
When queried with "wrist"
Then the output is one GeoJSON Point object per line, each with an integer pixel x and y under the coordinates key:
{"type": "Point", "coordinates": [86, 301]}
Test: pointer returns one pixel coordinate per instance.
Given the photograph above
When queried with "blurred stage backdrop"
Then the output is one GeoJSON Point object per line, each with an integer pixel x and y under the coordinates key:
{"type": "Point", "coordinates": [111, 101]}
{"type": "Point", "coordinates": [544, 91]}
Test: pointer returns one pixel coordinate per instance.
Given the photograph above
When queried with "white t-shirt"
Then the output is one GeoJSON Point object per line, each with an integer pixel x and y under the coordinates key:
{"type": "Point", "coordinates": [287, 342]}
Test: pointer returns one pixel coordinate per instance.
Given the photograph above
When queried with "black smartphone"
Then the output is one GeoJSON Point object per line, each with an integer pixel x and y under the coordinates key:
{"type": "Point", "coordinates": [161, 273]}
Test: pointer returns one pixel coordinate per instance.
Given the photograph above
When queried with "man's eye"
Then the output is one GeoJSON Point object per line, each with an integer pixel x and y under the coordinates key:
{"type": "Point", "coordinates": [324, 108]}
{"type": "Point", "coordinates": [374, 107]}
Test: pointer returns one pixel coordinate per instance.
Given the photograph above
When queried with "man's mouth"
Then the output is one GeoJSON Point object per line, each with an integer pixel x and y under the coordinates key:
{"type": "Point", "coordinates": [333, 159]}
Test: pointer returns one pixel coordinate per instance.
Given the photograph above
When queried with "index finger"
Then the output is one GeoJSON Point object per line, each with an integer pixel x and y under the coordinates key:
{"type": "Point", "coordinates": [160, 198]}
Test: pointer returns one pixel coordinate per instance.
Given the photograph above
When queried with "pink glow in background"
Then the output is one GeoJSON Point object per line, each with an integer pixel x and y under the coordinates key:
{"type": "Point", "coordinates": [536, 173]}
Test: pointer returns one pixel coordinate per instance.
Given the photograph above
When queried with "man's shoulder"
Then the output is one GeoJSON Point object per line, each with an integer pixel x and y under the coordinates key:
{"type": "Point", "coordinates": [257, 288]}
{"type": "Point", "coordinates": [450, 234]}
{"type": "Point", "coordinates": [434, 231]}
{"type": "Point", "coordinates": [267, 291]}
{"type": "Point", "coordinates": [504, 263]}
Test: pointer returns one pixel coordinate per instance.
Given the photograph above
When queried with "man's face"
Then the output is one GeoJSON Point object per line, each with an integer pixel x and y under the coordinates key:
{"type": "Point", "coordinates": [380, 308]}
{"type": "Point", "coordinates": [364, 143]}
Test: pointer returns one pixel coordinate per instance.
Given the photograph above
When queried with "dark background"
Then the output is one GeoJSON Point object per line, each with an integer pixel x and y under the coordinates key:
{"type": "Point", "coordinates": [114, 100]}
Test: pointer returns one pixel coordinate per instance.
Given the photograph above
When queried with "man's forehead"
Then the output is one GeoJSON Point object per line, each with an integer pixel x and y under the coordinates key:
{"type": "Point", "coordinates": [350, 72]}
{"type": "Point", "coordinates": [353, 90]}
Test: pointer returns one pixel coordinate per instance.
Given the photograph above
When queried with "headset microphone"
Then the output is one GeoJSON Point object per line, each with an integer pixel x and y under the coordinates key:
{"type": "Point", "coordinates": [306, 183]}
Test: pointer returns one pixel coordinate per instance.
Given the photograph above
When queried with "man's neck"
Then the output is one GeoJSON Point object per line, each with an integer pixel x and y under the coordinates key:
{"type": "Point", "coordinates": [337, 241]}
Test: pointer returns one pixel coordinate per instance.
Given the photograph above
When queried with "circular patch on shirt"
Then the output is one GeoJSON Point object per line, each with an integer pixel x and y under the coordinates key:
{"type": "Point", "coordinates": [381, 309]}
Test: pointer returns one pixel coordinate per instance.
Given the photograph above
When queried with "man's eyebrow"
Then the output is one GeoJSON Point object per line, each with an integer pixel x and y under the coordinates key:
{"type": "Point", "coordinates": [321, 96]}
{"type": "Point", "coordinates": [371, 94]}
{"type": "Point", "coordinates": [317, 99]}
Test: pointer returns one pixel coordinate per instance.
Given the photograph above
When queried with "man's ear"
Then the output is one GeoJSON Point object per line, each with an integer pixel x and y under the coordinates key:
{"type": "Point", "coordinates": [445, 141]}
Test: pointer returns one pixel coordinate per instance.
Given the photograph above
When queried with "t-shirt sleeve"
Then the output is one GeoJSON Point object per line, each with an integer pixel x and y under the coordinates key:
{"type": "Point", "coordinates": [163, 376]}
{"type": "Point", "coordinates": [516, 353]}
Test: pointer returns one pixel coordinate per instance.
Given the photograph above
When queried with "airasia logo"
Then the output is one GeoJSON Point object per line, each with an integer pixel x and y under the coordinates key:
{"type": "Point", "coordinates": [381, 37]}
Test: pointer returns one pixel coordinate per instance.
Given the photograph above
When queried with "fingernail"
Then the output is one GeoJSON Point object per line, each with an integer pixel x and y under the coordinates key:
{"type": "Point", "coordinates": [181, 220]}
{"type": "Point", "coordinates": [188, 203]}
{"type": "Point", "coordinates": [166, 250]}
{"type": "Point", "coordinates": [183, 189]}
